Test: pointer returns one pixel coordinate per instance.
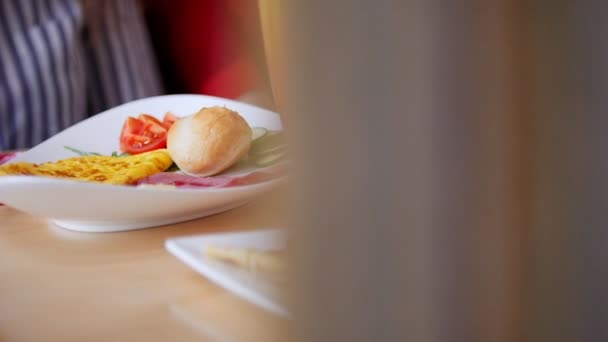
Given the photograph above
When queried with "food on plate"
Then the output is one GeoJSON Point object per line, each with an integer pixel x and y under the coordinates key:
{"type": "Point", "coordinates": [145, 133]}
{"type": "Point", "coordinates": [176, 152]}
{"type": "Point", "coordinates": [100, 169]}
{"type": "Point", "coordinates": [269, 148]}
{"type": "Point", "coordinates": [181, 180]}
{"type": "Point", "coordinates": [209, 142]}
{"type": "Point", "coordinates": [6, 156]}
{"type": "Point", "coordinates": [84, 153]}
{"type": "Point", "coordinates": [169, 119]}
{"type": "Point", "coordinates": [269, 262]}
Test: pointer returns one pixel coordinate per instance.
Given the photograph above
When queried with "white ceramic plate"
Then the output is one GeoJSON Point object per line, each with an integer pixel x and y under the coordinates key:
{"type": "Point", "coordinates": [252, 287]}
{"type": "Point", "coordinates": [103, 208]}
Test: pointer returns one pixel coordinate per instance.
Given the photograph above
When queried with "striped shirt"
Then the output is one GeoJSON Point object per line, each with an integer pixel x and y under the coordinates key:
{"type": "Point", "coordinates": [64, 60]}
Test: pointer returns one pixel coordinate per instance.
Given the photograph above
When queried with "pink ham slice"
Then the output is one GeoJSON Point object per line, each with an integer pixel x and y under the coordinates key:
{"type": "Point", "coordinates": [5, 157]}
{"type": "Point", "coordinates": [181, 180]}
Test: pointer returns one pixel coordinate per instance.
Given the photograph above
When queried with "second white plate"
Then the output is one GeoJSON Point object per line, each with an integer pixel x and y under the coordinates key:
{"type": "Point", "coordinates": [249, 286]}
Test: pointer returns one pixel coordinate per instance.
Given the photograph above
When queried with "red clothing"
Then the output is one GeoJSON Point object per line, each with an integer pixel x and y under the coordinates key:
{"type": "Point", "coordinates": [207, 46]}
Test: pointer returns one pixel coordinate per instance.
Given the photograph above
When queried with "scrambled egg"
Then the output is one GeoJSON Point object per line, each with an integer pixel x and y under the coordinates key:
{"type": "Point", "coordinates": [100, 169]}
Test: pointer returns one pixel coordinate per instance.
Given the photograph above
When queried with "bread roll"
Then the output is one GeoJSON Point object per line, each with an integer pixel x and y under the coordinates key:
{"type": "Point", "coordinates": [209, 142]}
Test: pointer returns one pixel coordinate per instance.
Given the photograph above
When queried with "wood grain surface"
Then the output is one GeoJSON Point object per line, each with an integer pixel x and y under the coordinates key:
{"type": "Point", "coordinates": [57, 284]}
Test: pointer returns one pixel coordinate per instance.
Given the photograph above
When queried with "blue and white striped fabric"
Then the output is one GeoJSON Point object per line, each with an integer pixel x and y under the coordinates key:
{"type": "Point", "coordinates": [64, 60]}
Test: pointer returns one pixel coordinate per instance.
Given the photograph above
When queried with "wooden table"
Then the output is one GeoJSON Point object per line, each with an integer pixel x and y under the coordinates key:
{"type": "Point", "coordinates": [57, 284]}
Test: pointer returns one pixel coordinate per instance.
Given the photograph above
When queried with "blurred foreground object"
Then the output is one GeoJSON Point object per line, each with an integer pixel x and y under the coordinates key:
{"type": "Point", "coordinates": [449, 168]}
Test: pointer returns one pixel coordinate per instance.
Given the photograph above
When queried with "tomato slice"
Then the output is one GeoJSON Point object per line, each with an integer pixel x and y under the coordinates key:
{"type": "Point", "coordinates": [152, 126]}
{"type": "Point", "coordinates": [169, 119]}
{"type": "Point", "coordinates": [130, 127]}
{"type": "Point", "coordinates": [135, 144]}
{"type": "Point", "coordinates": [142, 134]}
{"type": "Point", "coordinates": [147, 118]}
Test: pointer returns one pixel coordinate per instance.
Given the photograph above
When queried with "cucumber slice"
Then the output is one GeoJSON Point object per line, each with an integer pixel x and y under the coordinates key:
{"type": "Point", "coordinates": [266, 142]}
{"type": "Point", "coordinates": [257, 133]}
{"type": "Point", "coordinates": [270, 159]}
{"type": "Point", "coordinates": [270, 150]}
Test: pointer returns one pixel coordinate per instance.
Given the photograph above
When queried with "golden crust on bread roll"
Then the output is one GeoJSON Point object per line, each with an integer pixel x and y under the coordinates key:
{"type": "Point", "coordinates": [209, 142]}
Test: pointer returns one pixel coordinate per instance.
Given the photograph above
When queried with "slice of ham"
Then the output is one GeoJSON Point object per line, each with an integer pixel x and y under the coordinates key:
{"type": "Point", "coordinates": [5, 157]}
{"type": "Point", "coordinates": [181, 180]}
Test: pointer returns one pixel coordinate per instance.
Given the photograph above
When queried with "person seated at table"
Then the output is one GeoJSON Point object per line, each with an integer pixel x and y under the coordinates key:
{"type": "Point", "coordinates": [64, 60]}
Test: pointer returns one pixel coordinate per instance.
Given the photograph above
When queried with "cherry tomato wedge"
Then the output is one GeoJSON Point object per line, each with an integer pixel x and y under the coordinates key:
{"type": "Point", "coordinates": [142, 134]}
{"type": "Point", "coordinates": [169, 119]}
{"type": "Point", "coordinates": [135, 144]}
{"type": "Point", "coordinates": [152, 126]}
{"type": "Point", "coordinates": [145, 133]}
{"type": "Point", "coordinates": [149, 119]}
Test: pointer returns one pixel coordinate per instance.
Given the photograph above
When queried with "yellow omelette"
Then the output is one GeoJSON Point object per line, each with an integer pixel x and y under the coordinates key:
{"type": "Point", "coordinates": [99, 169]}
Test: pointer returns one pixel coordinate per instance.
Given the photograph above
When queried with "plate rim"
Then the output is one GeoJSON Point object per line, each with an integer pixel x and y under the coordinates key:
{"type": "Point", "coordinates": [174, 246]}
